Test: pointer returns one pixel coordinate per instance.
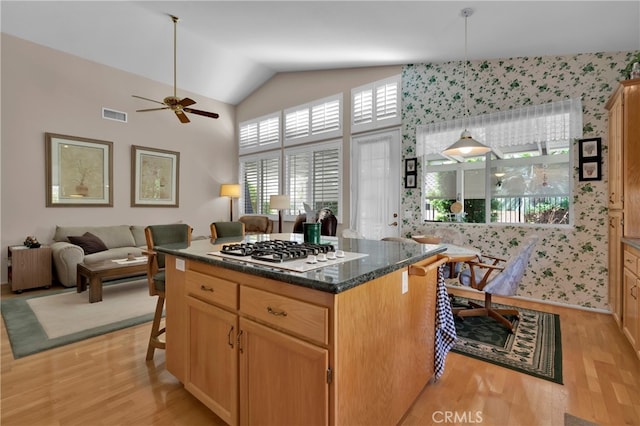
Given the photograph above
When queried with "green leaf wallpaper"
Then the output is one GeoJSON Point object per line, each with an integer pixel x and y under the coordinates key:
{"type": "Point", "coordinates": [569, 265]}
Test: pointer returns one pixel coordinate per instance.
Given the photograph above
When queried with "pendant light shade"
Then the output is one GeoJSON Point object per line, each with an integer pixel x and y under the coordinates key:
{"type": "Point", "coordinates": [466, 146]}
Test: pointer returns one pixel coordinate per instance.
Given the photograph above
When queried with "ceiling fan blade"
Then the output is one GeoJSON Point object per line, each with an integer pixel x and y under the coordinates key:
{"type": "Point", "coordinates": [182, 117]}
{"type": "Point", "coordinates": [151, 109]}
{"type": "Point", "coordinates": [186, 102]}
{"type": "Point", "coordinates": [199, 112]}
{"type": "Point", "coordinates": [147, 99]}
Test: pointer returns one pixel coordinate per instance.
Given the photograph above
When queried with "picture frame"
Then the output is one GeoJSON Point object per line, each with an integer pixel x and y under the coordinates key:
{"type": "Point", "coordinates": [410, 165]}
{"type": "Point", "coordinates": [78, 171]}
{"type": "Point", "coordinates": [155, 177]}
{"type": "Point", "coordinates": [410, 181]}
{"type": "Point", "coordinates": [590, 159]}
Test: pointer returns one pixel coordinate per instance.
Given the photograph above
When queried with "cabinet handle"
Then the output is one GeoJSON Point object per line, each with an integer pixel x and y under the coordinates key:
{"type": "Point", "coordinates": [276, 313]}
{"type": "Point", "coordinates": [635, 287]}
{"type": "Point", "coordinates": [204, 288]}
{"type": "Point", "coordinates": [230, 340]}
{"type": "Point", "coordinates": [240, 342]}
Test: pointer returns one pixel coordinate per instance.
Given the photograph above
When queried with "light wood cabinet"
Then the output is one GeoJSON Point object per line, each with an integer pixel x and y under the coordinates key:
{"type": "Point", "coordinates": [631, 286]}
{"type": "Point", "coordinates": [615, 152]}
{"type": "Point", "coordinates": [615, 265]}
{"type": "Point", "coordinates": [624, 200]}
{"type": "Point", "coordinates": [284, 380]}
{"type": "Point", "coordinates": [29, 267]}
{"type": "Point", "coordinates": [624, 154]}
{"type": "Point", "coordinates": [212, 358]}
{"type": "Point", "coordinates": [259, 351]}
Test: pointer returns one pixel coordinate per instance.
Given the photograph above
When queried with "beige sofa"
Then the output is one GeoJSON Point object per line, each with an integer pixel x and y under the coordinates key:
{"type": "Point", "coordinates": [120, 240]}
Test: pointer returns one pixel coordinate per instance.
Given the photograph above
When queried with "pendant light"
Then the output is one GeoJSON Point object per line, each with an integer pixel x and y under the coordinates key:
{"type": "Point", "coordinates": [466, 145]}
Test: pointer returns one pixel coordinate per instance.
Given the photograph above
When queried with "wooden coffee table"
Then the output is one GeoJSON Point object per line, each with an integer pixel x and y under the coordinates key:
{"type": "Point", "coordinates": [95, 273]}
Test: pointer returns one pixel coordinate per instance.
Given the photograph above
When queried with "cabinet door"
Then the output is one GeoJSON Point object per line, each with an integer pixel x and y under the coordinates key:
{"type": "Point", "coordinates": [630, 318]}
{"type": "Point", "coordinates": [283, 380]}
{"type": "Point", "coordinates": [212, 358]}
{"type": "Point", "coordinates": [615, 265]}
{"type": "Point", "coordinates": [615, 154]}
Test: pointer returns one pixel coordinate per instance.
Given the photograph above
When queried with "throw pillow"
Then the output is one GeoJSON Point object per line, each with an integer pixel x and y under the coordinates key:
{"type": "Point", "coordinates": [89, 243]}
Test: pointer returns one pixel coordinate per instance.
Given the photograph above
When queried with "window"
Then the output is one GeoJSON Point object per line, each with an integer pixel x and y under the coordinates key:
{"type": "Point", "coordinates": [260, 134]}
{"type": "Point", "coordinates": [525, 179]}
{"type": "Point", "coordinates": [313, 160]}
{"type": "Point", "coordinates": [376, 105]}
{"type": "Point", "coordinates": [319, 120]}
{"type": "Point", "coordinates": [312, 176]}
{"type": "Point", "coordinates": [259, 178]}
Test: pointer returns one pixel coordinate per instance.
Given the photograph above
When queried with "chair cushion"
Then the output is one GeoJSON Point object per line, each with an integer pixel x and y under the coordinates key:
{"type": "Point", "coordinates": [169, 234]}
{"type": "Point", "coordinates": [89, 243]}
{"type": "Point", "coordinates": [228, 229]}
{"type": "Point", "coordinates": [159, 281]}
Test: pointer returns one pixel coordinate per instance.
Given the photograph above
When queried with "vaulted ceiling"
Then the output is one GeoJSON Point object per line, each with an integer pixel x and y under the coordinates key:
{"type": "Point", "coordinates": [227, 49]}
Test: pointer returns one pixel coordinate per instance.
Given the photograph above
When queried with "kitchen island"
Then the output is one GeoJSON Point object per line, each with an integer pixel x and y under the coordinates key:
{"type": "Point", "coordinates": [344, 344]}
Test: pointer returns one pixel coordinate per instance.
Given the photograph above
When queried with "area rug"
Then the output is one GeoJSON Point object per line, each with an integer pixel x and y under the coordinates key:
{"type": "Point", "coordinates": [38, 323]}
{"type": "Point", "coordinates": [535, 347]}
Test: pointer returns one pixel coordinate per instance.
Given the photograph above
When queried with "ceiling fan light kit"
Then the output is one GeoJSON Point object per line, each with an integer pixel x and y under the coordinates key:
{"type": "Point", "coordinates": [174, 103]}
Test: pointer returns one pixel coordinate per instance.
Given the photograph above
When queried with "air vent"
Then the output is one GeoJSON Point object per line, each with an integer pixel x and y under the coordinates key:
{"type": "Point", "coordinates": [112, 114]}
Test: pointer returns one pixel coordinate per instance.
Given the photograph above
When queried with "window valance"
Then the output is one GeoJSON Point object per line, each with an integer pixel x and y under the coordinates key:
{"type": "Point", "coordinates": [553, 123]}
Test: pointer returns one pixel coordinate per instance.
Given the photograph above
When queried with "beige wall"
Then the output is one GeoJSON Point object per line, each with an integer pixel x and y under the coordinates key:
{"type": "Point", "coordinates": [286, 90]}
{"type": "Point", "coordinates": [45, 90]}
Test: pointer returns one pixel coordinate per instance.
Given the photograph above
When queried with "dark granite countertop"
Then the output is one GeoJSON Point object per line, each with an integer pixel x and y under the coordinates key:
{"type": "Point", "coordinates": [382, 258]}
{"type": "Point", "coordinates": [633, 242]}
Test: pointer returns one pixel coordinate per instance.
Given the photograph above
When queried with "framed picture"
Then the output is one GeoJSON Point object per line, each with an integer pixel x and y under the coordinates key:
{"type": "Point", "coordinates": [410, 181]}
{"type": "Point", "coordinates": [78, 171]}
{"type": "Point", "coordinates": [410, 165]}
{"type": "Point", "coordinates": [590, 159]}
{"type": "Point", "coordinates": [154, 177]}
{"type": "Point", "coordinates": [590, 170]}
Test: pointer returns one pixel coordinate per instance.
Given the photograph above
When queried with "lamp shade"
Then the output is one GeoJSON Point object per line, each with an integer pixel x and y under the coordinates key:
{"type": "Point", "coordinates": [466, 146]}
{"type": "Point", "coordinates": [279, 202]}
{"type": "Point", "coordinates": [230, 190]}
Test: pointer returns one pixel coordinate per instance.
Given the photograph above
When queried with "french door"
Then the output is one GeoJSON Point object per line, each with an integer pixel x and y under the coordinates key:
{"type": "Point", "coordinates": [376, 182]}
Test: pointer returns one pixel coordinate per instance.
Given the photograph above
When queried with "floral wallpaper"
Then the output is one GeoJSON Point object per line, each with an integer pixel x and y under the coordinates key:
{"type": "Point", "coordinates": [569, 265]}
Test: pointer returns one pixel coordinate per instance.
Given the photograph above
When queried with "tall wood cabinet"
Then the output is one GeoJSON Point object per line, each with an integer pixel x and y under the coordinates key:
{"type": "Point", "coordinates": [624, 190]}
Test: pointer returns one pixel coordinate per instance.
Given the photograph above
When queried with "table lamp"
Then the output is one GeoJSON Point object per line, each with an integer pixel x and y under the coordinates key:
{"type": "Point", "coordinates": [231, 190]}
{"type": "Point", "coordinates": [279, 202]}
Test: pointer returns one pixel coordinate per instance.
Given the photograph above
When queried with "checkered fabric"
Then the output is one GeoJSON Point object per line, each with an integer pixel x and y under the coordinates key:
{"type": "Point", "coordinates": [445, 325]}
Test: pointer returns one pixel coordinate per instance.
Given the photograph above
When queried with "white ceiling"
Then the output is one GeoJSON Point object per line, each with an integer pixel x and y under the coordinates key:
{"type": "Point", "coordinates": [227, 49]}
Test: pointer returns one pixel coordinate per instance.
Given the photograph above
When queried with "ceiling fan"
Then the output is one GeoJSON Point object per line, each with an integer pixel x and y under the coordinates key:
{"type": "Point", "coordinates": [173, 103]}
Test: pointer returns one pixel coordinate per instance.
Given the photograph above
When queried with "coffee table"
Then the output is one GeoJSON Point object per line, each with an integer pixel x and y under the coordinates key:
{"type": "Point", "coordinates": [95, 273]}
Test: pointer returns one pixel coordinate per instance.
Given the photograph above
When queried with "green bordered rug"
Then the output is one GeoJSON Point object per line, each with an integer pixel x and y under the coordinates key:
{"type": "Point", "coordinates": [46, 321]}
{"type": "Point", "coordinates": [535, 347]}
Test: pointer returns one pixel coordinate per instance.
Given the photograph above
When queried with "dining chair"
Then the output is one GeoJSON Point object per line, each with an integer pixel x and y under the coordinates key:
{"type": "Point", "coordinates": [494, 275]}
{"type": "Point", "coordinates": [227, 229]}
{"type": "Point", "coordinates": [160, 235]}
{"type": "Point", "coordinates": [256, 224]}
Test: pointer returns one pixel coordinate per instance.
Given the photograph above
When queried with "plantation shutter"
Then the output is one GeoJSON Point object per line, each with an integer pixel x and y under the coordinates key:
{"type": "Point", "coordinates": [375, 105]}
{"type": "Point", "coordinates": [316, 121]}
{"type": "Point", "coordinates": [259, 135]}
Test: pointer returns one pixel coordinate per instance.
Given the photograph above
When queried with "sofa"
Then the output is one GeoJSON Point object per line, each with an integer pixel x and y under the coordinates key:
{"type": "Point", "coordinates": [112, 242]}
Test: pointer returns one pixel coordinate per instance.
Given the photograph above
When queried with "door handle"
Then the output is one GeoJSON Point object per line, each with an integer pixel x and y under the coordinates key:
{"type": "Point", "coordinates": [393, 224]}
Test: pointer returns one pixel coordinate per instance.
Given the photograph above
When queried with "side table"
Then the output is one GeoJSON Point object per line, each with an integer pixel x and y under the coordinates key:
{"type": "Point", "coordinates": [29, 267]}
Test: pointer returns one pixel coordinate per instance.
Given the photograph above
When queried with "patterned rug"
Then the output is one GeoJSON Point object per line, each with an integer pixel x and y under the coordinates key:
{"type": "Point", "coordinates": [535, 347]}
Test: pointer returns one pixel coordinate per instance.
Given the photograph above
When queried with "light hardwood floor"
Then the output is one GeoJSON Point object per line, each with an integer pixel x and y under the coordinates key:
{"type": "Point", "coordinates": [106, 381]}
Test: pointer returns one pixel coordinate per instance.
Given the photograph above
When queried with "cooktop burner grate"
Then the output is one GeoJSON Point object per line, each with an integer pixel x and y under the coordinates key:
{"type": "Point", "coordinates": [276, 250]}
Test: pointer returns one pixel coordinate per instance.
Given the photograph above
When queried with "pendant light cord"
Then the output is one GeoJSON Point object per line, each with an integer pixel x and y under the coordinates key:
{"type": "Point", "coordinates": [466, 105]}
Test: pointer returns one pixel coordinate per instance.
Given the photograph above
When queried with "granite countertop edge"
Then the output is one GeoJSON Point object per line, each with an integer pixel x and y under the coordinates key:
{"type": "Point", "coordinates": [633, 242]}
{"type": "Point", "coordinates": [300, 279]}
